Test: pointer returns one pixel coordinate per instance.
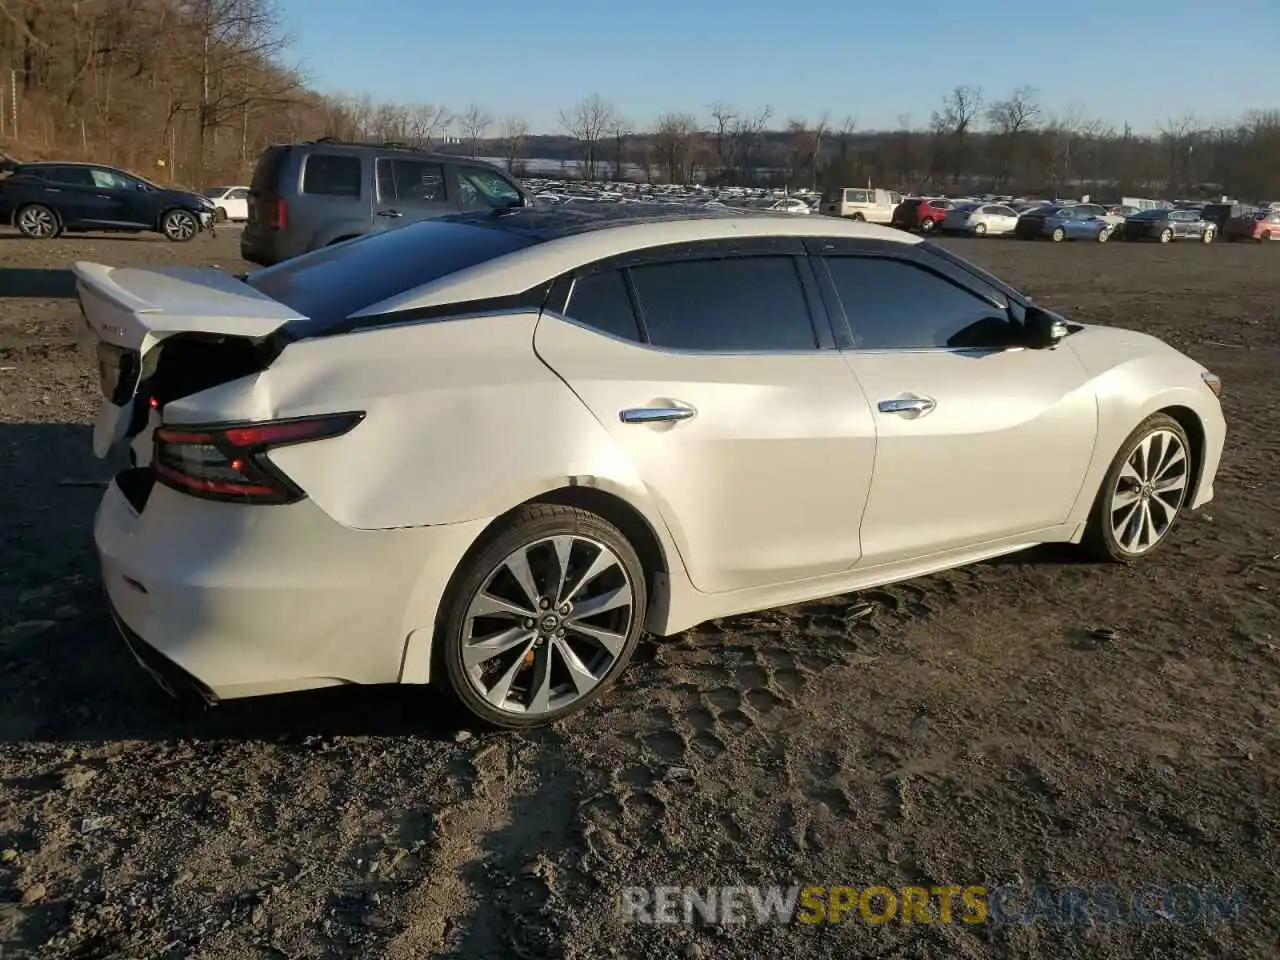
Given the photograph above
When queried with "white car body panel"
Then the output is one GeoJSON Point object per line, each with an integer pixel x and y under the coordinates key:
{"type": "Point", "coordinates": [786, 439]}
{"type": "Point", "coordinates": [787, 485]}
{"type": "Point", "coordinates": [942, 478]}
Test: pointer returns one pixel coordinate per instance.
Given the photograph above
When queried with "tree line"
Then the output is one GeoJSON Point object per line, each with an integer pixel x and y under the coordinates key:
{"type": "Point", "coordinates": [191, 91]}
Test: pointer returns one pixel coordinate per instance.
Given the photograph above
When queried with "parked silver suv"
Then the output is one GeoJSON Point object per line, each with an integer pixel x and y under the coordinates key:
{"type": "Point", "coordinates": [309, 195]}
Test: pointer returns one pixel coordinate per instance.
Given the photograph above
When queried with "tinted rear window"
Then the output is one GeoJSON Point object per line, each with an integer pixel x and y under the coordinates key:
{"type": "Point", "coordinates": [332, 175]}
{"type": "Point", "coordinates": [266, 175]}
{"type": "Point", "coordinates": [330, 284]}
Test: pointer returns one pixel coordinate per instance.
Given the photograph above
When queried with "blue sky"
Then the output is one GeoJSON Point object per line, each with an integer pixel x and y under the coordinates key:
{"type": "Point", "coordinates": [1135, 61]}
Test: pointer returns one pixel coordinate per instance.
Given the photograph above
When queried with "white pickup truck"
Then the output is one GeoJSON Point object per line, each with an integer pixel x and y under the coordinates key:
{"type": "Point", "coordinates": [862, 203]}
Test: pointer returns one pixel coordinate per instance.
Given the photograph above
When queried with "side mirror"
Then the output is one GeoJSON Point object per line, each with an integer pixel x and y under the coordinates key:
{"type": "Point", "coordinates": [1044, 329]}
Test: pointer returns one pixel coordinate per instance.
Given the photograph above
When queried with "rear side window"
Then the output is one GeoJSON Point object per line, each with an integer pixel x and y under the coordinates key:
{"type": "Point", "coordinates": [332, 283]}
{"type": "Point", "coordinates": [410, 180]}
{"type": "Point", "coordinates": [332, 175]}
{"type": "Point", "coordinates": [601, 301]}
{"type": "Point", "coordinates": [730, 305]}
{"type": "Point", "coordinates": [80, 176]}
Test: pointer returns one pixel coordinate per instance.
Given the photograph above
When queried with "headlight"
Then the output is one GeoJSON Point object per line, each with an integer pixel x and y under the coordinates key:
{"type": "Point", "coordinates": [1213, 382]}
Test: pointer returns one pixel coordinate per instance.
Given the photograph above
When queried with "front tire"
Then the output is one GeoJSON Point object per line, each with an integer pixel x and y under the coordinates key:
{"type": "Point", "coordinates": [1059, 234]}
{"type": "Point", "coordinates": [1208, 235]}
{"type": "Point", "coordinates": [179, 226]}
{"type": "Point", "coordinates": [979, 229]}
{"type": "Point", "coordinates": [1104, 234]}
{"type": "Point", "coordinates": [1166, 235]}
{"type": "Point", "coordinates": [35, 221]}
{"type": "Point", "coordinates": [1142, 494]}
{"type": "Point", "coordinates": [542, 619]}
{"type": "Point", "coordinates": [928, 226]}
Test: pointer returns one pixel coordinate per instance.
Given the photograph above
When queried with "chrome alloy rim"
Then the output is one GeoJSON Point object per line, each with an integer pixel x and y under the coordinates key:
{"type": "Point", "coordinates": [547, 625]}
{"type": "Point", "coordinates": [1149, 491]}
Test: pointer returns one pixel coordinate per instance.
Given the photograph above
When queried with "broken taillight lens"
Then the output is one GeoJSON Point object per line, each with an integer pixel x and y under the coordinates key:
{"type": "Point", "coordinates": [228, 462]}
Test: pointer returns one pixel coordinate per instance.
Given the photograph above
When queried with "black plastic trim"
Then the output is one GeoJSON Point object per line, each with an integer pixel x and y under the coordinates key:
{"type": "Point", "coordinates": [535, 298]}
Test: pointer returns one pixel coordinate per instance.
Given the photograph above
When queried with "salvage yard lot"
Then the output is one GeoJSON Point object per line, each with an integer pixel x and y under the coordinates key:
{"type": "Point", "coordinates": [1028, 720]}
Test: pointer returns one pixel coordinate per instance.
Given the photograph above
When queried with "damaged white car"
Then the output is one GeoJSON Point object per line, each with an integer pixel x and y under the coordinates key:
{"type": "Point", "coordinates": [488, 451]}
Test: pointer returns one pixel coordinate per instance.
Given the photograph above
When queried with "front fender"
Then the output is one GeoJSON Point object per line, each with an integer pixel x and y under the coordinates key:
{"type": "Point", "coordinates": [1135, 376]}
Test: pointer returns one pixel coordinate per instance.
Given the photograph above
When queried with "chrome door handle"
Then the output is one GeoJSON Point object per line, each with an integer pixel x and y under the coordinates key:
{"type": "Point", "coordinates": [390, 213]}
{"type": "Point", "coordinates": [919, 405]}
{"type": "Point", "coordinates": [656, 414]}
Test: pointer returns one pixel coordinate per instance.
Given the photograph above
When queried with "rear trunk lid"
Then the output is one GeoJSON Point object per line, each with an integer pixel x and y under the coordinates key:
{"type": "Point", "coordinates": [130, 315]}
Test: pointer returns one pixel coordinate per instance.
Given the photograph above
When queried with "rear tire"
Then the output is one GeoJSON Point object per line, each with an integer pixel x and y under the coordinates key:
{"type": "Point", "coordinates": [1266, 235]}
{"type": "Point", "coordinates": [859, 218]}
{"type": "Point", "coordinates": [1058, 235]}
{"type": "Point", "coordinates": [979, 229]}
{"type": "Point", "coordinates": [35, 221]}
{"type": "Point", "coordinates": [516, 661]}
{"type": "Point", "coordinates": [1166, 235]}
{"type": "Point", "coordinates": [1142, 494]}
{"type": "Point", "coordinates": [1104, 234]}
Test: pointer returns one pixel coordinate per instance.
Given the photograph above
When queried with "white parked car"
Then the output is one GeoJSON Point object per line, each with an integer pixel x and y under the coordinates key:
{"type": "Point", "coordinates": [791, 205]}
{"type": "Point", "coordinates": [487, 451]}
{"type": "Point", "coordinates": [230, 203]}
{"type": "Point", "coordinates": [981, 219]}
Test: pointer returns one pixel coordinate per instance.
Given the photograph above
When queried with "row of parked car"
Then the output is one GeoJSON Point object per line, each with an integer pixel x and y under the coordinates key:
{"type": "Point", "coordinates": [309, 195]}
{"type": "Point", "coordinates": [1068, 220]}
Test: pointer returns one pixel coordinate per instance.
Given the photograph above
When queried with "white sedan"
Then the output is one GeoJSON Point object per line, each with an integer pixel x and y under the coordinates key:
{"type": "Point", "coordinates": [792, 205]}
{"type": "Point", "coordinates": [981, 219]}
{"type": "Point", "coordinates": [487, 451]}
{"type": "Point", "coordinates": [230, 203]}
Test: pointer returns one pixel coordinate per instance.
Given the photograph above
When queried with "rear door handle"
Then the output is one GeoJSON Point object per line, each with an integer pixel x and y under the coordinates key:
{"type": "Point", "coordinates": [390, 213]}
{"type": "Point", "coordinates": [917, 405]}
{"type": "Point", "coordinates": [667, 414]}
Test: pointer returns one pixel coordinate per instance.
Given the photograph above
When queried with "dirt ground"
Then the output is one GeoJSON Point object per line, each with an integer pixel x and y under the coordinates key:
{"type": "Point", "coordinates": [967, 728]}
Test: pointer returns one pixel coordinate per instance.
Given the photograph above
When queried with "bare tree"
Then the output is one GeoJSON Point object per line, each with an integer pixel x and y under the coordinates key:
{"type": "Point", "coordinates": [230, 40]}
{"type": "Point", "coordinates": [1011, 121]}
{"type": "Point", "coordinates": [514, 131]}
{"type": "Point", "coordinates": [620, 131]}
{"type": "Point", "coordinates": [673, 142]}
{"type": "Point", "coordinates": [425, 122]}
{"type": "Point", "coordinates": [475, 121]}
{"type": "Point", "coordinates": [805, 149]}
{"type": "Point", "coordinates": [952, 126]}
{"type": "Point", "coordinates": [589, 121]}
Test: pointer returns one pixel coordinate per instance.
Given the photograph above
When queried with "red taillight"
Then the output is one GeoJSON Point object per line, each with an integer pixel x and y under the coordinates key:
{"type": "Point", "coordinates": [279, 215]}
{"type": "Point", "coordinates": [228, 462]}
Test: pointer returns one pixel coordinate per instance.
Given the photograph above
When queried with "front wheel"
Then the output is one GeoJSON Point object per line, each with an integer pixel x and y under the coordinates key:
{"type": "Point", "coordinates": [542, 619]}
{"type": "Point", "coordinates": [1166, 235]}
{"type": "Point", "coordinates": [1058, 235]}
{"type": "Point", "coordinates": [859, 218]}
{"type": "Point", "coordinates": [1143, 492]}
{"type": "Point", "coordinates": [1208, 235]}
{"type": "Point", "coordinates": [979, 229]}
{"type": "Point", "coordinates": [928, 226]}
{"type": "Point", "coordinates": [179, 225]}
{"type": "Point", "coordinates": [1104, 234]}
{"type": "Point", "coordinates": [38, 222]}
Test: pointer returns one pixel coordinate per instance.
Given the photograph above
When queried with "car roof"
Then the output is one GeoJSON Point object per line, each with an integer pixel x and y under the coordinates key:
{"type": "Point", "coordinates": [576, 236]}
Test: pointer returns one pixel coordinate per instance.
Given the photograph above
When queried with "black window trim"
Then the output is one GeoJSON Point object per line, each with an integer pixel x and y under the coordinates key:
{"type": "Point", "coordinates": [820, 321]}
{"type": "Point", "coordinates": [918, 255]}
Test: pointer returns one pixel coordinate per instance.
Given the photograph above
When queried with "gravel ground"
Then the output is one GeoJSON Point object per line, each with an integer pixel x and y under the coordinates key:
{"type": "Point", "coordinates": [1029, 720]}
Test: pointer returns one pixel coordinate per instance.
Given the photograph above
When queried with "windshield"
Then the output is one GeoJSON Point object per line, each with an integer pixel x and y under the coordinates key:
{"type": "Point", "coordinates": [332, 283]}
{"type": "Point", "coordinates": [1149, 215]}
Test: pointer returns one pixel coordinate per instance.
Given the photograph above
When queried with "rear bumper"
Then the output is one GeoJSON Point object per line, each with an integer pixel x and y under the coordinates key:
{"type": "Point", "coordinates": [234, 601]}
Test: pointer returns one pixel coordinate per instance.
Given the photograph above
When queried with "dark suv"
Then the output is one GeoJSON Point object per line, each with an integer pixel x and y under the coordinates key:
{"type": "Point", "coordinates": [309, 195]}
{"type": "Point", "coordinates": [43, 199]}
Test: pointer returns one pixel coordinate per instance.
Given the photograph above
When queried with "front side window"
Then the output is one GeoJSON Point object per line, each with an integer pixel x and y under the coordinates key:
{"type": "Point", "coordinates": [855, 196]}
{"type": "Point", "coordinates": [726, 305]}
{"type": "Point", "coordinates": [896, 305]}
{"type": "Point", "coordinates": [601, 301]}
{"type": "Point", "coordinates": [111, 180]}
{"type": "Point", "coordinates": [411, 181]}
{"type": "Point", "coordinates": [332, 175]}
{"type": "Point", "coordinates": [79, 176]}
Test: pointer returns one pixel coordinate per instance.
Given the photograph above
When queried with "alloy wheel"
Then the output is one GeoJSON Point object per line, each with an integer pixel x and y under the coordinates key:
{"type": "Point", "coordinates": [547, 624]}
{"type": "Point", "coordinates": [179, 225]}
{"type": "Point", "coordinates": [38, 222]}
{"type": "Point", "coordinates": [1149, 491]}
